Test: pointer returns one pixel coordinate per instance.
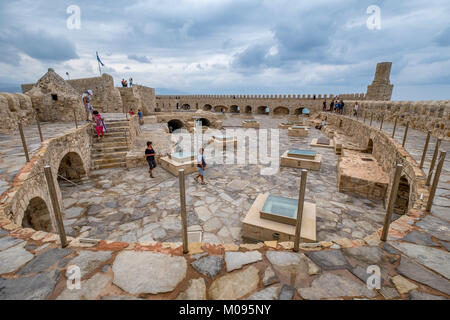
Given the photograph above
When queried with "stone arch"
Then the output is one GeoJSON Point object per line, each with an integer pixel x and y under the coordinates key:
{"type": "Point", "coordinates": [401, 205]}
{"type": "Point", "coordinates": [248, 109]}
{"type": "Point", "coordinates": [205, 122]}
{"type": "Point", "coordinates": [175, 124]}
{"type": "Point", "coordinates": [298, 111]}
{"type": "Point", "coordinates": [157, 110]}
{"type": "Point", "coordinates": [185, 107]}
{"type": "Point", "coordinates": [370, 146]}
{"type": "Point", "coordinates": [235, 109]}
{"type": "Point", "coordinates": [37, 216]}
{"type": "Point", "coordinates": [71, 167]}
{"type": "Point", "coordinates": [263, 110]}
{"type": "Point", "coordinates": [281, 111]}
{"type": "Point", "coordinates": [220, 109]}
{"type": "Point", "coordinates": [207, 107]}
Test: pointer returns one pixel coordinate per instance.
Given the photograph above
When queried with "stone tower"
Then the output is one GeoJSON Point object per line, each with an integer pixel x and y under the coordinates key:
{"type": "Point", "coordinates": [381, 87]}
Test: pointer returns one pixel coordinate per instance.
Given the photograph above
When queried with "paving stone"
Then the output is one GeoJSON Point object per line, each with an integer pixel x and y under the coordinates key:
{"type": "Point", "coordinates": [271, 293]}
{"type": "Point", "coordinates": [438, 228]}
{"type": "Point", "coordinates": [3, 233]}
{"type": "Point", "coordinates": [402, 284]}
{"type": "Point", "coordinates": [148, 272]}
{"type": "Point", "coordinates": [38, 287]}
{"type": "Point", "coordinates": [361, 273]}
{"type": "Point", "coordinates": [329, 260]}
{"type": "Point", "coordinates": [236, 260]}
{"type": "Point", "coordinates": [435, 259]}
{"type": "Point", "coordinates": [210, 266]}
{"type": "Point", "coordinates": [369, 255]}
{"type": "Point", "coordinates": [89, 290]}
{"type": "Point", "coordinates": [122, 297]}
{"type": "Point", "coordinates": [417, 295]}
{"type": "Point", "coordinates": [235, 285]}
{"type": "Point", "coordinates": [94, 209]}
{"type": "Point", "coordinates": [45, 260]}
{"type": "Point", "coordinates": [270, 277]}
{"type": "Point", "coordinates": [390, 249]}
{"type": "Point", "coordinates": [283, 259]}
{"type": "Point", "coordinates": [416, 272]}
{"type": "Point", "coordinates": [330, 285]}
{"type": "Point", "coordinates": [12, 258]}
{"type": "Point", "coordinates": [287, 292]}
{"type": "Point", "coordinates": [73, 212]}
{"type": "Point", "coordinates": [195, 291]}
{"type": "Point", "coordinates": [389, 293]}
{"type": "Point", "coordinates": [203, 213]}
{"type": "Point", "coordinates": [446, 245]}
{"type": "Point", "coordinates": [88, 261]}
{"type": "Point", "coordinates": [9, 242]}
{"type": "Point", "coordinates": [419, 238]}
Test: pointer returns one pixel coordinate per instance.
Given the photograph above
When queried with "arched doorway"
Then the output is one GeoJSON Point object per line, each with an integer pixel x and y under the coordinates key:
{"type": "Point", "coordinates": [37, 216]}
{"type": "Point", "coordinates": [281, 111]}
{"type": "Point", "coordinates": [204, 122]}
{"type": "Point", "coordinates": [401, 205]}
{"type": "Point", "coordinates": [248, 109]}
{"type": "Point", "coordinates": [298, 112]}
{"type": "Point", "coordinates": [263, 110]}
{"type": "Point", "coordinates": [174, 125]}
{"type": "Point", "coordinates": [370, 146]}
{"type": "Point", "coordinates": [71, 167]}
{"type": "Point", "coordinates": [235, 109]}
{"type": "Point", "coordinates": [186, 107]}
{"type": "Point", "coordinates": [220, 109]}
{"type": "Point", "coordinates": [207, 107]}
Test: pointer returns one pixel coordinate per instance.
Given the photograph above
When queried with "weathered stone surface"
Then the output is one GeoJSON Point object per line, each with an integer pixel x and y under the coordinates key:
{"type": "Point", "coordinates": [361, 273]}
{"type": "Point", "coordinates": [329, 286]}
{"type": "Point", "coordinates": [402, 284]}
{"type": "Point", "coordinates": [236, 260]}
{"type": "Point", "coordinates": [148, 272]}
{"type": "Point", "coordinates": [88, 261]}
{"type": "Point", "coordinates": [389, 293]}
{"type": "Point", "coordinates": [73, 212]}
{"type": "Point", "coordinates": [271, 293]}
{"type": "Point", "coordinates": [118, 298]}
{"type": "Point", "coordinates": [417, 295]}
{"type": "Point", "coordinates": [287, 292]}
{"type": "Point", "coordinates": [269, 277]}
{"type": "Point", "coordinates": [38, 287]}
{"type": "Point", "coordinates": [446, 245]}
{"type": "Point", "coordinates": [329, 260]}
{"type": "Point", "coordinates": [419, 238]}
{"type": "Point", "coordinates": [90, 289]}
{"type": "Point", "coordinates": [369, 255]}
{"type": "Point", "coordinates": [416, 272]}
{"type": "Point", "coordinates": [45, 260]}
{"type": "Point", "coordinates": [9, 242]}
{"type": "Point", "coordinates": [12, 258]}
{"type": "Point", "coordinates": [283, 259]}
{"type": "Point", "coordinates": [436, 227]}
{"type": "Point", "coordinates": [435, 259]}
{"type": "Point", "coordinates": [234, 285]}
{"type": "Point", "coordinates": [195, 291]}
{"type": "Point", "coordinates": [210, 266]}
{"type": "Point", "coordinates": [3, 233]}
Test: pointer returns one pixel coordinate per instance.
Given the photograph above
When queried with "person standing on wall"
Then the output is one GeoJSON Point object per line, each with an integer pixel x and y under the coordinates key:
{"type": "Point", "coordinates": [342, 106]}
{"type": "Point", "coordinates": [87, 96]}
{"type": "Point", "coordinates": [150, 156]}
{"type": "Point", "coordinates": [131, 82]}
{"type": "Point", "coordinates": [356, 109]}
{"type": "Point", "coordinates": [201, 165]}
{"type": "Point", "coordinates": [324, 105]}
{"type": "Point", "coordinates": [331, 105]}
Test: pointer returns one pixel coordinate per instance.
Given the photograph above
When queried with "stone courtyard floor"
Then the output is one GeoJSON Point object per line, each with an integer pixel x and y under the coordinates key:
{"type": "Point", "coordinates": [126, 205]}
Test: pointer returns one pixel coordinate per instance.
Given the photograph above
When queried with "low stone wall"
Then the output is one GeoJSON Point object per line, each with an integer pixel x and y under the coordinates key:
{"type": "Point", "coordinates": [15, 107]}
{"type": "Point", "coordinates": [387, 151]}
{"type": "Point", "coordinates": [30, 182]}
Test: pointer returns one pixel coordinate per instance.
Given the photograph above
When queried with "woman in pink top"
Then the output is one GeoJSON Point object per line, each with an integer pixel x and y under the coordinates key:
{"type": "Point", "coordinates": [98, 119]}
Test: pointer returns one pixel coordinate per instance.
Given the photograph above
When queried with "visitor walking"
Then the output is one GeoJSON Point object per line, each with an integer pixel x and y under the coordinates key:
{"type": "Point", "coordinates": [131, 112]}
{"type": "Point", "coordinates": [123, 83]}
{"type": "Point", "coordinates": [331, 105]}
{"type": "Point", "coordinates": [201, 165]}
{"type": "Point", "coordinates": [141, 117]}
{"type": "Point", "coordinates": [325, 105]}
{"type": "Point", "coordinates": [131, 82]}
{"type": "Point", "coordinates": [342, 106]}
{"type": "Point", "coordinates": [150, 156]}
{"type": "Point", "coordinates": [99, 125]}
{"type": "Point", "coordinates": [356, 109]}
{"type": "Point", "coordinates": [87, 96]}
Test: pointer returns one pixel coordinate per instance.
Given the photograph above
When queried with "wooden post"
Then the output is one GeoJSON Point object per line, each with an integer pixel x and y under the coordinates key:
{"type": "Point", "coordinates": [425, 149]}
{"type": "Point", "coordinates": [38, 123]}
{"type": "Point", "coordinates": [433, 161]}
{"type": "Point", "coordinates": [371, 119]}
{"type": "Point", "coordinates": [55, 205]}
{"type": "Point", "coordinates": [436, 181]}
{"type": "Point", "coordinates": [405, 135]}
{"type": "Point", "coordinates": [392, 198]}
{"type": "Point", "coordinates": [183, 211]}
{"type": "Point", "coordinates": [382, 119]}
{"type": "Point", "coordinates": [75, 118]}
{"type": "Point", "coordinates": [365, 114]}
{"type": "Point", "coordinates": [24, 142]}
{"type": "Point", "coordinates": [301, 201]}
{"type": "Point", "coordinates": [395, 127]}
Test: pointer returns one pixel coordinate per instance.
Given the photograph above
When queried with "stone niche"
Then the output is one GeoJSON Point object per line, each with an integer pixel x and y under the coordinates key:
{"type": "Point", "coordinates": [298, 131]}
{"type": "Point", "coordinates": [274, 218]}
{"type": "Point", "coordinates": [250, 124]}
{"type": "Point", "coordinates": [361, 175]}
{"type": "Point", "coordinates": [322, 142]}
{"type": "Point", "coordinates": [224, 142]}
{"type": "Point", "coordinates": [285, 125]}
{"type": "Point", "coordinates": [178, 161]}
{"type": "Point", "coordinates": [301, 159]}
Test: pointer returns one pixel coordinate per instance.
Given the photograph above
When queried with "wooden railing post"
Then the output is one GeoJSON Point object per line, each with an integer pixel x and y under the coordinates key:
{"type": "Point", "coordinates": [392, 198]}
{"type": "Point", "coordinates": [301, 201]}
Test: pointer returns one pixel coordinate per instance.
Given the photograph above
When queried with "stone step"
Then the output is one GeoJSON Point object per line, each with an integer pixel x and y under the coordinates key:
{"type": "Point", "coordinates": [110, 144]}
{"type": "Point", "coordinates": [111, 140]}
{"type": "Point", "coordinates": [109, 165]}
{"type": "Point", "coordinates": [114, 124]}
{"type": "Point", "coordinates": [117, 129]}
{"type": "Point", "coordinates": [123, 148]}
{"type": "Point", "coordinates": [98, 162]}
{"type": "Point", "coordinates": [112, 134]}
{"type": "Point", "coordinates": [109, 155]}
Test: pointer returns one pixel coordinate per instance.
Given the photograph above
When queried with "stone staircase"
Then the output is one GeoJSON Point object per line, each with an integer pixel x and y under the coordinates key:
{"type": "Point", "coordinates": [111, 151]}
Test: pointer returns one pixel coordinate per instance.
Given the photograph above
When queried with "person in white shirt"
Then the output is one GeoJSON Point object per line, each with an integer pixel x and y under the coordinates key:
{"type": "Point", "coordinates": [201, 164]}
{"type": "Point", "coordinates": [355, 109]}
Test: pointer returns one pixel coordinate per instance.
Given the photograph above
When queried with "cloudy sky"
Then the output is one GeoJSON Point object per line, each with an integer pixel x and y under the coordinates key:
{"type": "Point", "coordinates": [232, 46]}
